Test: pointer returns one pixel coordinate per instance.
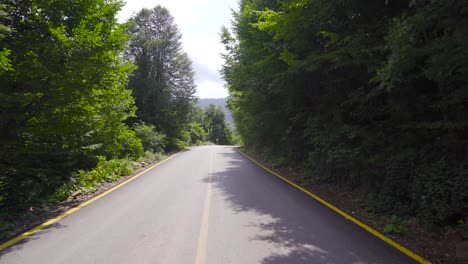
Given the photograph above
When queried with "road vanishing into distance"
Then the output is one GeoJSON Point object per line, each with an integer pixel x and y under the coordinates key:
{"type": "Point", "coordinates": [206, 205]}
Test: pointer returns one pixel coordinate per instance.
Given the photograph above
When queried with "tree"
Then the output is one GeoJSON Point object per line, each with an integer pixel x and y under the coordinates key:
{"type": "Point", "coordinates": [196, 114]}
{"type": "Point", "coordinates": [152, 140]}
{"type": "Point", "coordinates": [5, 63]}
{"type": "Point", "coordinates": [163, 84]}
{"type": "Point", "coordinates": [65, 101]}
{"type": "Point", "coordinates": [215, 125]}
{"type": "Point", "coordinates": [369, 95]}
{"type": "Point", "coordinates": [197, 134]}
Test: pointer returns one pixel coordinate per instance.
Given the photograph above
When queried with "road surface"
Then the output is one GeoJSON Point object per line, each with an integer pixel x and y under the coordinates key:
{"type": "Point", "coordinates": [206, 205]}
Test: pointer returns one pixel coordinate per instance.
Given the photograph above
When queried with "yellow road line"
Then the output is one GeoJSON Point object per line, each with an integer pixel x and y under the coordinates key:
{"type": "Point", "coordinates": [203, 237]}
{"type": "Point", "coordinates": [69, 212]}
{"type": "Point", "coordinates": [394, 244]}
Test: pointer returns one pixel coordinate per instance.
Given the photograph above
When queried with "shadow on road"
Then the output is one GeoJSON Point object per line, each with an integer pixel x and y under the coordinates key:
{"type": "Point", "coordinates": [20, 244]}
{"type": "Point", "coordinates": [300, 229]}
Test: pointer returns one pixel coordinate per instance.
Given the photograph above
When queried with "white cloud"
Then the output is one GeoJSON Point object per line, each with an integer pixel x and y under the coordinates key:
{"type": "Point", "coordinates": [200, 22]}
{"type": "Point", "coordinates": [211, 89]}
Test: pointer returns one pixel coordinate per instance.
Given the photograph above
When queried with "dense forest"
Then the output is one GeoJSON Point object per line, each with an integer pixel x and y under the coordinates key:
{"type": "Point", "coordinates": [83, 97]}
{"type": "Point", "coordinates": [364, 95]}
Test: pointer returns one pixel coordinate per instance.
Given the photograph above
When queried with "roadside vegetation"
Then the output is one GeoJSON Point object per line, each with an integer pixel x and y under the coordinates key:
{"type": "Point", "coordinates": [85, 100]}
{"type": "Point", "coordinates": [367, 96]}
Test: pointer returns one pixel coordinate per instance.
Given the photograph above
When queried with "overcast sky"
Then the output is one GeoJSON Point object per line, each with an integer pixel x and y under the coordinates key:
{"type": "Point", "coordinates": [200, 22]}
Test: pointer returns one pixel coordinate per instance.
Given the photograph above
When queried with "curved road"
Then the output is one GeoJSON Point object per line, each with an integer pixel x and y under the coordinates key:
{"type": "Point", "coordinates": [205, 205]}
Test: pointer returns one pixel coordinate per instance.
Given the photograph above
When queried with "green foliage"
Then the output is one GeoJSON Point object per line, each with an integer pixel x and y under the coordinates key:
{"type": "Point", "coordinates": [462, 228]}
{"type": "Point", "coordinates": [197, 134]}
{"type": "Point", "coordinates": [152, 140]}
{"type": "Point", "coordinates": [277, 162]}
{"type": "Point", "coordinates": [63, 98]}
{"type": "Point", "coordinates": [196, 115]}
{"type": "Point", "coordinates": [394, 229]}
{"type": "Point", "coordinates": [5, 226]}
{"type": "Point", "coordinates": [105, 171]}
{"type": "Point", "coordinates": [89, 181]}
{"type": "Point", "coordinates": [440, 190]}
{"type": "Point", "coordinates": [368, 95]}
{"type": "Point", "coordinates": [5, 62]}
{"type": "Point", "coordinates": [181, 141]}
{"type": "Point", "coordinates": [163, 84]}
{"type": "Point", "coordinates": [124, 142]}
{"type": "Point", "coordinates": [396, 226]}
{"type": "Point", "coordinates": [236, 139]}
{"type": "Point", "coordinates": [149, 156]}
{"type": "Point", "coordinates": [214, 123]}
{"type": "Point", "coordinates": [61, 193]}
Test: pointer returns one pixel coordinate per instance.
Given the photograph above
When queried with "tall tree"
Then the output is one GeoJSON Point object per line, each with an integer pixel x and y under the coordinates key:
{"type": "Point", "coordinates": [65, 101]}
{"type": "Point", "coordinates": [163, 84]}
{"type": "Point", "coordinates": [215, 126]}
{"type": "Point", "coordinates": [370, 95]}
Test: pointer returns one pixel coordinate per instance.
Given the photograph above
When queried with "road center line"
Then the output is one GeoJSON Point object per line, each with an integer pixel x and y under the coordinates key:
{"type": "Point", "coordinates": [203, 237]}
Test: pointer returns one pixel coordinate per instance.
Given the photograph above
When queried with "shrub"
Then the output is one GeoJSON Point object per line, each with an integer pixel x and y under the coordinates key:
{"type": "Point", "coordinates": [438, 199]}
{"type": "Point", "coordinates": [197, 134]}
{"type": "Point", "coordinates": [150, 156]}
{"type": "Point", "coordinates": [396, 226]}
{"type": "Point", "coordinates": [129, 144]}
{"type": "Point", "coordinates": [89, 181]}
{"type": "Point", "coordinates": [180, 141]}
{"type": "Point", "coordinates": [179, 144]}
{"type": "Point", "coordinates": [463, 229]}
{"type": "Point", "coordinates": [152, 140]}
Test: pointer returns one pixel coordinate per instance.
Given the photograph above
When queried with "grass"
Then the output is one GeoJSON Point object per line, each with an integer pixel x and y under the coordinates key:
{"type": "Point", "coordinates": [87, 182]}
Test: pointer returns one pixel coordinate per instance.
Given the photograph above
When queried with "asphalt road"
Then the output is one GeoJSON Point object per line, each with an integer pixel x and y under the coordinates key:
{"type": "Point", "coordinates": [206, 205]}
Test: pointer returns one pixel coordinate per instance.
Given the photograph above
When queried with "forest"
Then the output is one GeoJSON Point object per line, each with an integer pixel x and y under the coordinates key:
{"type": "Point", "coordinates": [363, 95]}
{"type": "Point", "coordinates": [84, 97]}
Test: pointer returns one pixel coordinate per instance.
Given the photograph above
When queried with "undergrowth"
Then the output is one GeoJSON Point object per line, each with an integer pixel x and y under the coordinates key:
{"type": "Point", "coordinates": [86, 182]}
{"type": "Point", "coordinates": [82, 181]}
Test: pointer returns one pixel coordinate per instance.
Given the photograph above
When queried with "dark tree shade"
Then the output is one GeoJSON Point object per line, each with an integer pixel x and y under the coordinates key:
{"type": "Point", "coordinates": [364, 94]}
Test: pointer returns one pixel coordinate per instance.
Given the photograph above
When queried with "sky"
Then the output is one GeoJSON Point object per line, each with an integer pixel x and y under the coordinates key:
{"type": "Point", "coordinates": [200, 23]}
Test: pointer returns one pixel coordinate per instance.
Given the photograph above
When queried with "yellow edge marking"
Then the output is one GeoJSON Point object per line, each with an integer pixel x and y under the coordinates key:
{"type": "Point", "coordinates": [69, 212]}
{"type": "Point", "coordinates": [203, 236]}
{"type": "Point", "coordinates": [394, 244]}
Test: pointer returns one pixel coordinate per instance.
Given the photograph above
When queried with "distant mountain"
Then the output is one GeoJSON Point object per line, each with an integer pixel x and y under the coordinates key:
{"type": "Point", "coordinates": [204, 102]}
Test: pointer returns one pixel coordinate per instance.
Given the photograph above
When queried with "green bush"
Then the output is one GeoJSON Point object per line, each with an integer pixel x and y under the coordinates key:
{"type": "Point", "coordinates": [179, 144]}
{"type": "Point", "coordinates": [310, 169]}
{"type": "Point", "coordinates": [396, 226]}
{"type": "Point", "coordinates": [438, 199]}
{"type": "Point", "coordinates": [395, 229]}
{"type": "Point", "coordinates": [150, 156]}
{"type": "Point", "coordinates": [197, 134]}
{"type": "Point", "coordinates": [277, 161]}
{"type": "Point", "coordinates": [462, 228]}
{"type": "Point", "coordinates": [152, 140]}
{"type": "Point", "coordinates": [89, 181]}
{"type": "Point", "coordinates": [181, 141]}
{"type": "Point", "coordinates": [128, 143]}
